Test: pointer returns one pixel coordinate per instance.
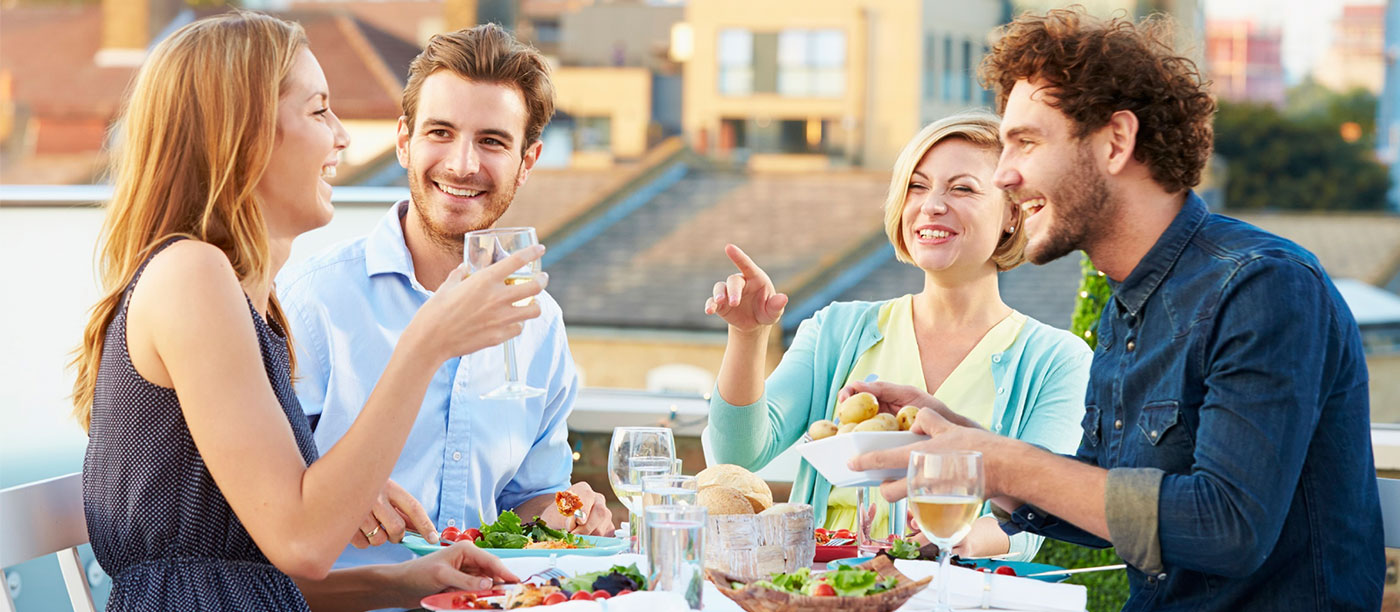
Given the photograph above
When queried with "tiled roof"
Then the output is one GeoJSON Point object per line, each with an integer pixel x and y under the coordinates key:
{"type": "Point", "coordinates": [356, 59]}
{"type": "Point", "coordinates": [1364, 246]}
{"type": "Point", "coordinates": [49, 50]}
{"type": "Point", "coordinates": [551, 197]}
{"type": "Point", "coordinates": [399, 18]}
{"type": "Point", "coordinates": [655, 267]}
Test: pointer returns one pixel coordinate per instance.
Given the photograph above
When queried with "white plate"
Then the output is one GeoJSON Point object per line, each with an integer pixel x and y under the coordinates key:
{"type": "Point", "coordinates": [829, 456]}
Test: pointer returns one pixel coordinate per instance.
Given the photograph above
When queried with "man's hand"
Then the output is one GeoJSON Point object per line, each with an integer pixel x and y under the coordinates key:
{"type": "Point", "coordinates": [459, 566]}
{"type": "Point", "coordinates": [943, 436]}
{"type": "Point", "coordinates": [395, 511]}
{"type": "Point", "coordinates": [598, 519]}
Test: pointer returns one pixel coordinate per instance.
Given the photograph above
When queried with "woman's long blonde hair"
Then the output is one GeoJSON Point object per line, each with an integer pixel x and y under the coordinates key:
{"type": "Point", "coordinates": [192, 142]}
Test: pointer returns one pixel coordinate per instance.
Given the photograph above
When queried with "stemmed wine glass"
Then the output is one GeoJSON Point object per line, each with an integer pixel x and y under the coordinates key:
{"type": "Point", "coordinates": [629, 443]}
{"type": "Point", "coordinates": [488, 246]}
{"type": "Point", "coordinates": [945, 494]}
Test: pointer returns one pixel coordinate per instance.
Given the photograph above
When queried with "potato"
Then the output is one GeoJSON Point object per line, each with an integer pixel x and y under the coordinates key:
{"type": "Point", "coordinates": [822, 429]}
{"type": "Point", "coordinates": [857, 408]}
{"type": "Point", "coordinates": [878, 424]}
{"type": "Point", "coordinates": [846, 427]}
{"type": "Point", "coordinates": [906, 417]}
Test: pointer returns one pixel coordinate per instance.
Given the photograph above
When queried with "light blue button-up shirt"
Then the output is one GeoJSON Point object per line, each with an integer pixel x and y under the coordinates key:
{"type": "Point", "coordinates": [465, 457]}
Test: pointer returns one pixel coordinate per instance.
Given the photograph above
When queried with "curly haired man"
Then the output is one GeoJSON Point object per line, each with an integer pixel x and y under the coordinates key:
{"type": "Point", "coordinates": [1226, 449]}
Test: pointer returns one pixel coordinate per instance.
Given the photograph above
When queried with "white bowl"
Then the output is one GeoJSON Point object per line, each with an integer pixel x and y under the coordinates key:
{"type": "Point", "coordinates": [829, 456]}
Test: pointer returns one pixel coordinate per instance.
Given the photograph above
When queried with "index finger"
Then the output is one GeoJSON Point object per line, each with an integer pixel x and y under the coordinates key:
{"type": "Point", "coordinates": [884, 459]}
{"type": "Point", "coordinates": [413, 513]}
{"type": "Point", "coordinates": [743, 262]}
{"type": "Point", "coordinates": [515, 261]}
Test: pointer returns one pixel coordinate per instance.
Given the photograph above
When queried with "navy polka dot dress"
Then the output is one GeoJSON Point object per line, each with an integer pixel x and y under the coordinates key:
{"type": "Point", "coordinates": [158, 523]}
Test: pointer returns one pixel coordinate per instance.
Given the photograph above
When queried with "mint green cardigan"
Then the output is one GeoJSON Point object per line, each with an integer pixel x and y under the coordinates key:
{"type": "Point", "coordinates": [1040, 383]}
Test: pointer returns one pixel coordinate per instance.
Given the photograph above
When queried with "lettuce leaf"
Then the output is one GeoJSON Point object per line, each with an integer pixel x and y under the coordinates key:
{"type": "Point", "coordinates": [848, 581]}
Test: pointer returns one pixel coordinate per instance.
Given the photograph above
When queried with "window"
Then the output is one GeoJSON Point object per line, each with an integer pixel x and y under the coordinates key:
{"type": "Point", "coordinates": [593, 133]}
{"type": "Point", "coordinates": [735, 62]}
{"type": "Point", "coordinates": [930, 66]}
{"type": "Point", "coordinates": [948, 82]}
{"type": "Point", "coordinates": [968, 85]}
{"type": "Point", "coordinates": [812, 63]}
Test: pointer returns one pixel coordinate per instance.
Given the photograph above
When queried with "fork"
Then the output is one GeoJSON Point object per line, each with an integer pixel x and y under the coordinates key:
{"type": "Point", "coordinates": [549, 573]}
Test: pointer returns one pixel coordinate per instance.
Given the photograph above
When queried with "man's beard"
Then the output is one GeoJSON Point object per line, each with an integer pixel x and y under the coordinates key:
{"type": "Point", "coordinates": [451, 239]}
{"type": "Point", "coordinates": [1082, 208]}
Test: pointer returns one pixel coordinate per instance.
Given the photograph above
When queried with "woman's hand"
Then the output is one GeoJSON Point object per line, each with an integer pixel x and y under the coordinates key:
{"type": "Point", "coordinates": [893, 397]}
{"type": "Point", "coordinates": [746, 300]}
{"type": "Point", "coordinates": [393, 513]}
{"type": "Point", "coordinates": [470, 313]}
{"type": "Point", "coordinates": [459, 566]}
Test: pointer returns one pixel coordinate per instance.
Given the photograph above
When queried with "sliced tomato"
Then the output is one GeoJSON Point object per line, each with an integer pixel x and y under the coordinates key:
{"type": "Point", "coordinates": [555, 598]}
{"type": "Point", "coordinates": [623, 592]}
{"type": "Point", "coordinates": [471, 535]}
{"type": "Point", "coordinates": [823, 590]}
{"type": "Point", "coordinates": [842, 533]}
{"type": "Point", "coordinates": [601, 594]}
{"type": "Point", "coordinates": [1006, 570]}
{"type": "Point", "coordinates": [580, 596]}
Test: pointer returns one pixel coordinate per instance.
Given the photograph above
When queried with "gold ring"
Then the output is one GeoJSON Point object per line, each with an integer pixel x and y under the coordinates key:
{"type": "Point", "coordinates": [372, 532]}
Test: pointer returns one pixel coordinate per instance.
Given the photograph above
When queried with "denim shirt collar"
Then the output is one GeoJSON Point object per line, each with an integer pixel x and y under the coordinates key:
{"type": "Point", "coordinates": [1134, 291]}
{"type": "Point", "coordinates": [386, 252]}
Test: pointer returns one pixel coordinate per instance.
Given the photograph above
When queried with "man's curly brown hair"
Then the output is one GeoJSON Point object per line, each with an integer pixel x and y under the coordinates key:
{"type": "Point", "coordinates": [1095, 68]}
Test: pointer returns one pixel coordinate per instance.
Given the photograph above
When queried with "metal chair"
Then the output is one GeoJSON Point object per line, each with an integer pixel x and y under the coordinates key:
{"type": "Point", "coordinates": [43, 518]}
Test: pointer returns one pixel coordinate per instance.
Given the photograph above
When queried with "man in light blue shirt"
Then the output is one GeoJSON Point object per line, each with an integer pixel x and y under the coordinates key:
{"type": "Point", "coordinates": [474, 107]}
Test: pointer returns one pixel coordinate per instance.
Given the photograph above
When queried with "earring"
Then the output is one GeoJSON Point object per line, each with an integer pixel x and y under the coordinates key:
{"type": "Point", "coordinates": [1011, 230]}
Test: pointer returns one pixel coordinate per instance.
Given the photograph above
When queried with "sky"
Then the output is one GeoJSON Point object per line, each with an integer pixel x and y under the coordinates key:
{"type": "Point", "coordinates": [1307, 26]}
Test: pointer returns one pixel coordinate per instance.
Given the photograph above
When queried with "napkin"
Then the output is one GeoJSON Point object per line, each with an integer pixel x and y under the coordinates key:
{"type": "Point", "coordinates": [973, 589]}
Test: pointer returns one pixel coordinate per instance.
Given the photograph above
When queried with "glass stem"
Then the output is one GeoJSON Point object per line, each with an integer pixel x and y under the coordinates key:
{"type": "Point", "coordinates": [512, 376]}
{"type": "Point", "coordinates": [944, 562]}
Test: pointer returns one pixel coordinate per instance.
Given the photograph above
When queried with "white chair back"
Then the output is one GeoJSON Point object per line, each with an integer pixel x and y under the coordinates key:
{"type": "Point", "coordinates": [1390, 510]}
{"type": "Point", "coordinates": [46, 518]}
{"type": "Point", "coordinates": [783, 468]}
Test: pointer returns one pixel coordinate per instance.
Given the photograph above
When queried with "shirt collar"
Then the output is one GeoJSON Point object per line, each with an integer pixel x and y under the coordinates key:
{"type": "Point", "coordinates": [1135, 290]}
{"type": "Point", "coordinates": [385, 248]}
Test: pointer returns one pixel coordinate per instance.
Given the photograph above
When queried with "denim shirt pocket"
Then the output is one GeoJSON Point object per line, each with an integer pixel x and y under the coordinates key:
{"type": "Point", "coordinates": [1090, 424]}
{"type": "Point", "coordinates": [1159, 419]}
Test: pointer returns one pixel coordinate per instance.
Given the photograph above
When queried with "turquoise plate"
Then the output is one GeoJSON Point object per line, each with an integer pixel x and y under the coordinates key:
{"type": "Point", "coordinates": [1020, 567]}
{"type": "Point", "coordinates": [602, 547]}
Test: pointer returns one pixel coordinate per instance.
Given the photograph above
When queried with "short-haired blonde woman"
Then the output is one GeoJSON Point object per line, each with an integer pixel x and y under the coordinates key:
{"type": "Point", "coordinates": [955, 338]}
{"type": "Point", "coordinates": [201, 485]}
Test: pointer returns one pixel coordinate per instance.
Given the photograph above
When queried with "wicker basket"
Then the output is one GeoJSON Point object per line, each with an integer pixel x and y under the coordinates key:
{"type": "Point", "coordinates": [759, 599]}
{"type": "Point", "coordinates": [754, 546]}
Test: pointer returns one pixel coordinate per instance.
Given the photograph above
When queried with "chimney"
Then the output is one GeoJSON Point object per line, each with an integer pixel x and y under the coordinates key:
{"type": "Point", "coordinates": [458, 14]}
{"type": "Point", "coordinates": [129, 27]}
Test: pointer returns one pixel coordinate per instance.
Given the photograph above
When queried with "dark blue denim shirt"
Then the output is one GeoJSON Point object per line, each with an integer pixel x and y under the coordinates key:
{"type": "Point", "coordinates": [1228, 398]}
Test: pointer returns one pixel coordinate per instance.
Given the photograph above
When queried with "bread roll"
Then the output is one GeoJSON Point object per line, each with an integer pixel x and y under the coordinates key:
{"type": "Point", "coordinates": [720, 500]}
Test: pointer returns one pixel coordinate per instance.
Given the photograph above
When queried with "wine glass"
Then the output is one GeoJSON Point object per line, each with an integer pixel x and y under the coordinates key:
{"type": "Point", "coordinates": [488, 246]}
{"type": "Point", "coordinates": [945, 494]}
{"type": "Point", "coordinates": [629, 442]}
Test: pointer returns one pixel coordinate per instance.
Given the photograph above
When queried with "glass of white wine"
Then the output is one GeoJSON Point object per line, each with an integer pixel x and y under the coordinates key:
{"type": "Point", "coordinates": [945, 495]}
{"type": "Point", "coordinates": [627, 443]}
{"type": "Point", "coordinates": [488, 246]}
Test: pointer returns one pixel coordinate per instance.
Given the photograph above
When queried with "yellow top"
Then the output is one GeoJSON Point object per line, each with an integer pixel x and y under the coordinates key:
{"type": "Point", "coordinates": [969, 389]}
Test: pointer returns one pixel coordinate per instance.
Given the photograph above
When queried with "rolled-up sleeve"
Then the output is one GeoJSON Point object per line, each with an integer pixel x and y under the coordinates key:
{"type": "Point", "coordinates": [1130, 509]}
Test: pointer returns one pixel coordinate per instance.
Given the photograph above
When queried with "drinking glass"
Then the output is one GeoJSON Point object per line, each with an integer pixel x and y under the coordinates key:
{"type": "Point", "coordinates": [639, 468]}
{"type": "Point", "coordinates": [629, 442]}
{"type": "Point", "coordinates": [488, 246]}
{"type": "Point", "coordinates": [945, 493]}
{"type": "Point", "coordinates": [871, 508]}
{"type": "Point", "coordinates": [676, 556]}
{"type": "Point", "coordinates": [664, 490]}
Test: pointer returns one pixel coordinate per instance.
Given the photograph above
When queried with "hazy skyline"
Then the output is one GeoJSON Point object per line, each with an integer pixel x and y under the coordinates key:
{"type": "Point", "coordinates": [1307, 26]}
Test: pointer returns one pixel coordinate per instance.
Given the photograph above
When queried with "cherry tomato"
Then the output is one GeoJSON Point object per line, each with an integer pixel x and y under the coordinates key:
{"type": "Point", "coordinates": [622, 592]}
{"type": "Point", "coordinates": [843, 533]}
{"type": "Point", "coordinates": [450, 534]}
{"type": "Point", "coordinates": [555, 598]}
{"type": "Point", "coordinates": [823, 590]}
{"type": "Point", "coordinates": [1006, 570]}
{"type": "Point", "coordinates": [600, 594]}
{"type": "Point", "coordinates": [471, 535]}
{"type": "Point", "coordinates": [580, 596]}
{"type": "Point", "coordinates": [821, 531]}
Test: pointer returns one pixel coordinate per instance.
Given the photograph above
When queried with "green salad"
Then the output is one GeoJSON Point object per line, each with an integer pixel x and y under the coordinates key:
{"type": "Point", "coordinates": [613, 580]}
{"type": "Point", "coordinates": [509, 532]}
{"type": "Point", "coordinates": [845, 581]}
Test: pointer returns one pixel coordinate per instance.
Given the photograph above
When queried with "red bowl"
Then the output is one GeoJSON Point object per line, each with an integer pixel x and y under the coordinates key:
{"type": "Point", "coordinates": [832, 553]}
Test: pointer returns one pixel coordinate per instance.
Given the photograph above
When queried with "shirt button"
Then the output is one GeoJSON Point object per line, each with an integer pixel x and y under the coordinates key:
{"type": "Point", "coordinates": [457, 456]}
{"type": "Point", "coordinates": [998, 427]}
{"type": "Point", "coordinates": [1153, 435]}
{"type": "Point", "coordinates": [1118, 424]}
{"type": "Point", "coordinates": [1030, 516]}
{"type": "Point", "coordinates": [1001, 390]}
{"type": "Point", "coordinates": [451, 522]}
{"type": "Point", "coordinates": [1131, 345]}
{"type": "Point", "coordinates": [1162, 576]}
{"type": "Point", "coordinates": [996, 358]}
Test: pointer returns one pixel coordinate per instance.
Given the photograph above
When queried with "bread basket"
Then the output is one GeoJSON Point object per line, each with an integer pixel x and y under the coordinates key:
{"type": "Point", "coordinates": [755, 546]}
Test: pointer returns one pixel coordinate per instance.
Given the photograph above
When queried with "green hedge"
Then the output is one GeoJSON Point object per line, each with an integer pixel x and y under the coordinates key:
{"type": "Point", "coordinates": [1107, 590]}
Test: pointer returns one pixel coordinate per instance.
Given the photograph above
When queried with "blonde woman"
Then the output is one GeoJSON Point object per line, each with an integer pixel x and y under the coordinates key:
{"type": "Point", "coordinates": [955, 338]}
{"type": "Point", "coordinates": [201, 484]}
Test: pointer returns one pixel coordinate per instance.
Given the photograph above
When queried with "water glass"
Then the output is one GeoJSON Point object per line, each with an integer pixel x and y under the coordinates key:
{"type": "Point", "coordinates": [878, 522]}
{"type": "Point", "coordinates": [676, 554]}
{"type": "Point", "coordinates": [640, 468]}
{"type": "Point", "coordinates": [665, 490]}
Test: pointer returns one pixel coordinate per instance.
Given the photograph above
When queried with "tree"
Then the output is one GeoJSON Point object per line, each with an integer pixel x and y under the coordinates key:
{"type": "Point", "coordinates": [1300, 161]}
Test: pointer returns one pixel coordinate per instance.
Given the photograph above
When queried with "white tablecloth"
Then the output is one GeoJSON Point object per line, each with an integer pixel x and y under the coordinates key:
{"type": "Point", "coordinates": [968, 589]}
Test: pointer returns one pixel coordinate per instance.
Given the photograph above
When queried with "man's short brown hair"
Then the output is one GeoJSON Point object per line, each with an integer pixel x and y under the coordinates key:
{"type": "Point", "coordinates": [1094, 68]}
{"type": "Point", "coordinates": [486, 54]}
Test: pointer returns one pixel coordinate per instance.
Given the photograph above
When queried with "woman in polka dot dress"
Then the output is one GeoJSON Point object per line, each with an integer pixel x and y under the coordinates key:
{"type": "Point", "coordinates": [201, 484]}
